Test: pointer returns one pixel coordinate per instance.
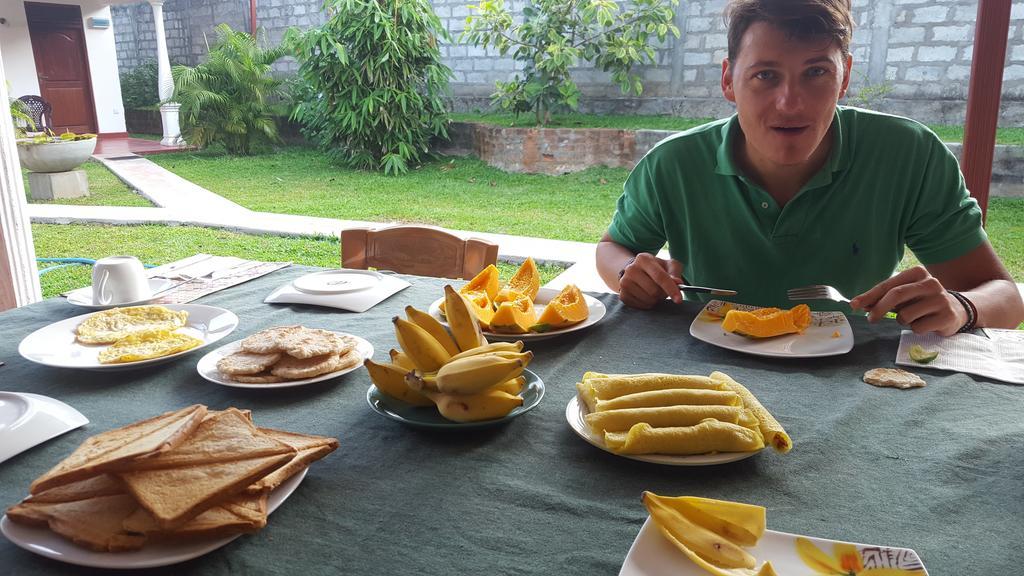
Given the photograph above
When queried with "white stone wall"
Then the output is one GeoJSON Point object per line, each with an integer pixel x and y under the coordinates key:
{"type": "Point", "coordinates": [920, 49]}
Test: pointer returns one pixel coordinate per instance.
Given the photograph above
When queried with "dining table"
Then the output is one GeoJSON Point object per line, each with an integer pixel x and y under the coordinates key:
{"type": "Point", "coordinates": [938, 469]}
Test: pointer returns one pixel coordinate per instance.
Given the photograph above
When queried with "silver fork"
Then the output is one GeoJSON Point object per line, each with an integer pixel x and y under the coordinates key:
{"type": "Point", "coordinates": [816, 292]}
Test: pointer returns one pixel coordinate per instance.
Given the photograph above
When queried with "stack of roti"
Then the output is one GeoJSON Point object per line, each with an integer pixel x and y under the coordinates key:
{"type": "Point", "coordinates": [192, 473]}
{"type": "Point", "coordinates": [677, 414]}
{"type": "Point", "coordinates": [289, 353]}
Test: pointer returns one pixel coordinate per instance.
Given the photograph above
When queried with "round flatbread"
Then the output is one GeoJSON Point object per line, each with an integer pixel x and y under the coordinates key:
{"type": "Point", "coordinates": [269, 340]}
{"type": "Point", "coordinates": [256, 379]}
{"type": "Point", "coordinates": [893, 378]}
{"type": "Point", "coordinates": [313, 342]}
{"type": "Point", "coordinates": [246, 363]}
{"type": "Point", "coordinates": [296, 368]}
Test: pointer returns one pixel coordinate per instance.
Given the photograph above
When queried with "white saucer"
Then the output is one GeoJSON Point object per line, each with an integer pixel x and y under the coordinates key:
{"type": "Point", "coordinates": [30, 419]}
{"type": "Point", "coordinates": [83, 296]}
{"type": "Point", "coordinates": [336, 281]}
{"type": "Point", "coordinates": [45, 543]}
{"type": "Point", "coordinates": [207, 367]}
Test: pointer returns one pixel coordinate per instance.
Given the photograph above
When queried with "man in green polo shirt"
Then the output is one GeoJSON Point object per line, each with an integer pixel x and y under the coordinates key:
{"type": "Point", "coordinates": [794, 190]}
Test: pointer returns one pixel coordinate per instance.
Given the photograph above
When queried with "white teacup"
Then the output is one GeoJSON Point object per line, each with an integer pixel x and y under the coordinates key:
{"type": "Point", "coordinates": [119, 280]}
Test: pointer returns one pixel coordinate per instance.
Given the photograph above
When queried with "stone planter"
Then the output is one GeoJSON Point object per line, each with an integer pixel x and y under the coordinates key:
{"type": "Point", "coordinates": [55, 156]}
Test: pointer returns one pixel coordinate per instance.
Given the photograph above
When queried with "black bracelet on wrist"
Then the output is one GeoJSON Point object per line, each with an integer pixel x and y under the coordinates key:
{"type": "Point", "coordinates": [970, 308]}
{"type": "Point", "coordinates": [627, 265]}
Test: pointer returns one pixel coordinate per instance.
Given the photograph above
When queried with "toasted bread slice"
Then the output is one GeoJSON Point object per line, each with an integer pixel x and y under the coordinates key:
{"type": "Point", "coordinates": [299, 441]}
{"type": "Point", "coordinates": [301, 460]}
{"type": "Point", "coordinates": [221, 437]}
{"type": "Point", "coordinates": [160, 491]}
{"type": "Point", "coordinates": [102, 485]}
{"type": "Point", "coordinates": [114, 448]}
{"type": "Point", "coordinates": [241, 514]}
{"type": "Point", "coordinates": [95, 523]}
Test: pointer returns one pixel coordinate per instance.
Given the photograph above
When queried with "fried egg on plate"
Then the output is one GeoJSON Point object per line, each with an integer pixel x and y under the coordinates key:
{"type": "Point", "coordinates": [146, 345]}
{"type": "Point", "coordinates": [116, 324]}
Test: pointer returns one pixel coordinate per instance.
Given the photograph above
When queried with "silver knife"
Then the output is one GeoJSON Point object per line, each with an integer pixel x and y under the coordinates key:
{"type": "Point", "coordinates": [705, 290]}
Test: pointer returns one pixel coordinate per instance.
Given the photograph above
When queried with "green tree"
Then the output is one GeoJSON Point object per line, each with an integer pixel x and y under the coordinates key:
{"type": "Point", "coordinates": [375, 85]}
{"type": "Point", "coordinates": [227, 99]}
{"type": "Point", "coordinates": [556, 34]}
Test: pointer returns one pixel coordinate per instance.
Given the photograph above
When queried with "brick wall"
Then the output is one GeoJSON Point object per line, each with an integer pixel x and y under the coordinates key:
{"type": "Point", "coordinates": [920, 48]}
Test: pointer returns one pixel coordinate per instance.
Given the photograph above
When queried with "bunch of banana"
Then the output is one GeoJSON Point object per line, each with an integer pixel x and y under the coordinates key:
{"type": "Point", "coordinates": [467, 378]}
{"type": "Point", "coordinates": [712, 533]}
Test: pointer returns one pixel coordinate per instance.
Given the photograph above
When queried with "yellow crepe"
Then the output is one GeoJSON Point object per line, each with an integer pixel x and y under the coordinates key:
{"type": "Point", "coordinates": [770, 427]}
{"type": "Point", "coordinates": [674, 397]}
{"type": "Point", "coordinates": [597, 386]}
{"type": "Point", "coordinates": [708, 436]}
{"type": "Point", "coordinates": [622, 420]}
{"type": "Point", "coordinates": [109, 326]}
{"type": "Point", "coordinates": [146, 345]}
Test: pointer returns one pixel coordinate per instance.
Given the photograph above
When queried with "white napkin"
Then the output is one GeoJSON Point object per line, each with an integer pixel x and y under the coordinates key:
{"type": "Point", "coordinates": [998, 354]}
{"type": "Point", "coordinates": [359, 301]}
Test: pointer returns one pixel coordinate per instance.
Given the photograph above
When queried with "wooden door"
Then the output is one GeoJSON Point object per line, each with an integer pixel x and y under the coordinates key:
{"type": "Point", "coordinates": [62, 65]}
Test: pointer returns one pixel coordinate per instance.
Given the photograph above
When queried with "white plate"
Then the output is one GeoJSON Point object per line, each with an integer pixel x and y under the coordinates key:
{"type": "Point", "coordinates": [336, 281]}
{"type": "Point", "coordinates": [596, 311]}
{"type": "Point", "coordinates": [30, 419]}
{"type": "Point", "coordinates": [829, 334]}
{"type": "Point", "coordinates": [653, 555]}
{"type": "Point", "coordinates": [55, 345]}
{"type": "Point", "coordinates": [207, 367]}
{"type": "Point", "coordinates": [83, 296]}
{"type": "Point", "coordinates": [45, 543]}
{"type": "Point", "coordinates": [576, 410]}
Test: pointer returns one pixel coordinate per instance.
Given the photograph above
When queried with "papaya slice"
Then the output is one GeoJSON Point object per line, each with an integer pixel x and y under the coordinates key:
{"type": "Point", "coordinates": [567, 308]}
{"type": "Point", "coordinates": [526, 281]}
{"type": "Point", "coordinates": [486, 281]}
{"type": "Point", "coordinates": [767, 322]}
{"type": "Point", "coordinates": [514, 316]}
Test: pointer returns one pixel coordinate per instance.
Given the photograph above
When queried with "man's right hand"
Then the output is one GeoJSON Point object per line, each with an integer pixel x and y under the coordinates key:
{"type": "Point", "coordinates": [648, 280]}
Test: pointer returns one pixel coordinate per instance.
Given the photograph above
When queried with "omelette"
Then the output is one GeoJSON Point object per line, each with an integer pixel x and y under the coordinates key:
{"type": "Point", "coordinates": [116, 324]}
{"type": "Point", "coordinates": [148, 344]}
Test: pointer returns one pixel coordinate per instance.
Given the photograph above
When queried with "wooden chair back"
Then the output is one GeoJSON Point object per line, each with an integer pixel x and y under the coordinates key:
{"type": "Point", "coordinates": [421, 250]}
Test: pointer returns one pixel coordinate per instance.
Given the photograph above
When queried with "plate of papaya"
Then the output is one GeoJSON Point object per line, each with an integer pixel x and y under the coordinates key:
{"type": "Point", "coordinates": [521, 309]}
{"type": "Point", "coordinates": [795, 333]}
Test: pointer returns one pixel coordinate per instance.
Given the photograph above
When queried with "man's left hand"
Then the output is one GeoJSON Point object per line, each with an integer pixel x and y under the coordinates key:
{"type": "Point", "coordinates": [919, 300]}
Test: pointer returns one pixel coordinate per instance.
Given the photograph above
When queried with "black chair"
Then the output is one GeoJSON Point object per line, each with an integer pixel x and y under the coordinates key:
{"type": "Point", "coordinates": [40, 111]}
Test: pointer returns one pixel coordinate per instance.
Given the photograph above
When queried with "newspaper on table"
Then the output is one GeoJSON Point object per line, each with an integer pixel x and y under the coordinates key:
{"type": "Point", "coordinates": [202, 274]}
{"type": "Point", "coordinates": [990, 352]}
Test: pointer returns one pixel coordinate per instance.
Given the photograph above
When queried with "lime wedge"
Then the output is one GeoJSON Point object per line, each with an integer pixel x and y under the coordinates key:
{"type": "Point", "coordinates": [921, 356]}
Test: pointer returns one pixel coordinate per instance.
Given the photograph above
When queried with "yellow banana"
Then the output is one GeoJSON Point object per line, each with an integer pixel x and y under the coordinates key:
{"type": "Point", "coordinates": [694, 539]}
{"type": "Point", "coordinates": [423, 349]}
{"type": "Point", "coordinates": [477, 373]}
{"type": "Point", "coordinates": [399, 358]}
{"type": "Point", "coordinates": [516, 346]}
{"type": "Point", "coordinates": [421, 382]}
{"type": "Point", "coordinates": [743, 524]}
{"type": "Point", "coordinates": [487, 405]}
{"type": "Point", "coordinates": [463, 322]}
{"type": "Point", "coordinates": [390, 379]}
{"type": "Point", "coordinates": [433, 327]}
{"type": "Point", "coordinates": [512, 385]}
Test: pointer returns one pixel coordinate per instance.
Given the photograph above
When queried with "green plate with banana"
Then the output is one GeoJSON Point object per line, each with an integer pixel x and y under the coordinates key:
{"type": "Point", "coordinates": [428, 416]}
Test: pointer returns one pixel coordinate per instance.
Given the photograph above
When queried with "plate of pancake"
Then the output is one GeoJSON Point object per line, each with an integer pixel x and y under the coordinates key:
{"type": "Point", "coordinates": [284, 356]}
{"type": "Point", "coordinates": [127, 337]}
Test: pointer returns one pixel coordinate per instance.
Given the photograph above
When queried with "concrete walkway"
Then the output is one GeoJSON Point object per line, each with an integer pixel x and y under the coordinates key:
{"type": "Point", "coordinates": [180, 202]}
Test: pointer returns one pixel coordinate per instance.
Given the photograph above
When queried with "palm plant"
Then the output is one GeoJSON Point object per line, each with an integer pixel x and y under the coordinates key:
{"type": "Point", "coordinates": [22, 120]}
{"type": "Point", "coordinates": [227, 99]}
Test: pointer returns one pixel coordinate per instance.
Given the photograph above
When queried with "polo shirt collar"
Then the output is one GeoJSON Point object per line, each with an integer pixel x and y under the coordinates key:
{"type": "Point", "coordinates": [839, 157]}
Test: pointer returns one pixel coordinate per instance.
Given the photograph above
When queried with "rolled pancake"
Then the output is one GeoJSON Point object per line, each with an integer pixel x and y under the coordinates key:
{"type": "Point", "coordinates": [769, 426]}
{"type": "Point", "coordinates": [597, 386]}
{"type": "Point", "coordinates": [707, 436]}
{"type": "Point", "coordinates": [674, 397]}
{"type": "Point", "coordinates": [622, 420]}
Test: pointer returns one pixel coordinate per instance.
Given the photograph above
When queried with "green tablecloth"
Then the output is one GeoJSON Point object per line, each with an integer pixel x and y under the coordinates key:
{"type": "Point", "coordinates": [937, 469]}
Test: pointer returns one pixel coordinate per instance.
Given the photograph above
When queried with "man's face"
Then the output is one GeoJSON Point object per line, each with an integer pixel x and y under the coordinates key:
{"type": "Point", "coordinates": [785, 91]}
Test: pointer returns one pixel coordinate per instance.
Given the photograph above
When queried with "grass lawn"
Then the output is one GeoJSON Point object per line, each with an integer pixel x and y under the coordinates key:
{"type": "Point", "coordinates": [162, 244]}
{"type": "Point", "coordinates": [460, 193]}
{"type": "Point", "coordinates": [104, 190]}
{"type": "Point", "coordinates": [947, 133]}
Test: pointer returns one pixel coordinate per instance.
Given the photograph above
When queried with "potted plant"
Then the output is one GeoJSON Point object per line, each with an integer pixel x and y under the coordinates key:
{"type": "Point", "coordinates": [50, 153]}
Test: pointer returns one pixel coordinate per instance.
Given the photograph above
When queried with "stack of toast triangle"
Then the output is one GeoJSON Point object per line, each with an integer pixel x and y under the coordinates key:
{"type": "Point", "coordinates": [188, 473]}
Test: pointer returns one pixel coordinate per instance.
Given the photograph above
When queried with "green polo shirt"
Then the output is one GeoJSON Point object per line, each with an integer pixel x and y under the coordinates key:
{"type": "Point", "coordinates": [889, 182]}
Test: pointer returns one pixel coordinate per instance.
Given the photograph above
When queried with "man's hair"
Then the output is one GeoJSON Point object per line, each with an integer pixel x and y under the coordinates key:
{"type": "Point", "coordinates": [799, 19]}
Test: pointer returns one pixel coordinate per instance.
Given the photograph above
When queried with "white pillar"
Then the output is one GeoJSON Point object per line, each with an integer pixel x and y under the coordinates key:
{"type": "Point", "coordinates": [169, 110]}
{"type": "Point", "coordinates": [19, 278]}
